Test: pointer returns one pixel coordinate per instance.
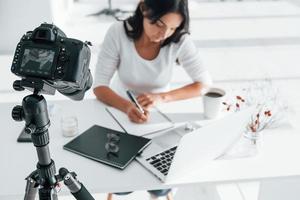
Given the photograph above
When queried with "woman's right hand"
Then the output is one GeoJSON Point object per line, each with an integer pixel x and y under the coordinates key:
{"type": "Point", "coordinates": [135, 115]}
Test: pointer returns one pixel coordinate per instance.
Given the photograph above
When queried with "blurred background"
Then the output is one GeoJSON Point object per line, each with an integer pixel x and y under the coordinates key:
{"type": "Point", "coordinates": [239, 40]}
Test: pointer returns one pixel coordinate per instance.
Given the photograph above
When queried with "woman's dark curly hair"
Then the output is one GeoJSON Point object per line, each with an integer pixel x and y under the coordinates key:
{"type": "Point", "coordinates": [155, 9]}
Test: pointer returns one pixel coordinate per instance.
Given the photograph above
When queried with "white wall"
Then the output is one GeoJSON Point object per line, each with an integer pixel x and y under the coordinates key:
{"type": "Point", "coordinates": [17, 17]}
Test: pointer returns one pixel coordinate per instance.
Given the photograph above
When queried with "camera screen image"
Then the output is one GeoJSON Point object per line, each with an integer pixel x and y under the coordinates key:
{"type": "Point", "coordinates": [37, 61]}
{"type": "Point", "coordinates": [47, 60]}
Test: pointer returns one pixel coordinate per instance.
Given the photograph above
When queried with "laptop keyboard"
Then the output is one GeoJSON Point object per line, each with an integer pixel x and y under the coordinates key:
{"type": "Point", "coordinates": [163, 160]}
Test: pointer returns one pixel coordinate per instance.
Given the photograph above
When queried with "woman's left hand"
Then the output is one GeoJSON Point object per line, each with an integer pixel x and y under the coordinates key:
{"type": "Point", "coordinates": [148, 100]}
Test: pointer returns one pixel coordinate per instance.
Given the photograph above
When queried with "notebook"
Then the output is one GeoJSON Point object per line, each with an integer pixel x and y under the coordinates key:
{"type": "Point", "coordinates": [92, 144]}
{"type": "Point", "coordinates": [157, 121]}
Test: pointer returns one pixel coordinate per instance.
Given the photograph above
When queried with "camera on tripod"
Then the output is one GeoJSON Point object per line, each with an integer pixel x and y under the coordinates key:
{"type": "Point", "coordinates": [47, 61]}
{"type": "Point", "coordinates": [46, 56]}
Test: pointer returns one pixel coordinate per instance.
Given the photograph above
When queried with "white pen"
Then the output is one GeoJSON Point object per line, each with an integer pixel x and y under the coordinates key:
{"type": "Point", "coordinates": [133, 99]}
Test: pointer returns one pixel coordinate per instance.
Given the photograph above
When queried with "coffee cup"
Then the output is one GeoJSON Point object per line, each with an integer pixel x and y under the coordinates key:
{"type": "Point", "coordinates": [212, 102]}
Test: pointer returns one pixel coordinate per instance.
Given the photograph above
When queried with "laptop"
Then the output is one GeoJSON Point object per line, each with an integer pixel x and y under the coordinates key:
{"type": "Point", "coordinates": [180, 152]}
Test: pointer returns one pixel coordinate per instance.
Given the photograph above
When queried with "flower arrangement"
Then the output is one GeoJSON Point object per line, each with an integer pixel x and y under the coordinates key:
{"type": "Point", "coordinates": [260, 121]}
{"type": "Point", "coordinates": [236, 106]}
{"type": "Point", "coordinates": [269, 111]}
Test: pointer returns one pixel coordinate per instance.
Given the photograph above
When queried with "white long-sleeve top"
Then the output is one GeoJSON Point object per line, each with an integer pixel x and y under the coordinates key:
{"type": "Point", "coordinates": [118, 54]}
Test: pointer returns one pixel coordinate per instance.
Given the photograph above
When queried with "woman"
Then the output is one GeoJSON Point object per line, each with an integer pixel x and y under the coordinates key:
{"type": "Point", "coordinates": [143, 50]}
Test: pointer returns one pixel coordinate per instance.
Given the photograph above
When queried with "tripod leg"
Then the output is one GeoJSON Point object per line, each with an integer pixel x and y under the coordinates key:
{"type": "Point", "coordinates": [31, 186]}
{"type": "Point", "coordinates": [76, 188]}
{"type": "Point", "coordinates": [47, 194]}
{"type": "Point", "coordinates": [31, 189]}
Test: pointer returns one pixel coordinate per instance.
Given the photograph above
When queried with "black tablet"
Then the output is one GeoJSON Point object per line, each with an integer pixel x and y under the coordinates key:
{"type": "Point", "coordinates": [108, 146]}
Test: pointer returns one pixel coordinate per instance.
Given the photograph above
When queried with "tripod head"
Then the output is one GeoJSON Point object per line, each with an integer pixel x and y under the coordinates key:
{"type": "Point", "coordinates": [33, 104]}
{"type": "Point", "coordinates": [34, 85]}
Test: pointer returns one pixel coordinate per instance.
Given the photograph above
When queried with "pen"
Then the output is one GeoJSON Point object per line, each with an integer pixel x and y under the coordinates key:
{"type": "Point", "coordinates": [133, 99]}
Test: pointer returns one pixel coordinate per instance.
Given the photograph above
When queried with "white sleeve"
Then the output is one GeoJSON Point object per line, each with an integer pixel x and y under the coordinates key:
{"type": "Point", "coordinates": [190, 59]}
{"type": "Point", "coordinates": [108, 57]}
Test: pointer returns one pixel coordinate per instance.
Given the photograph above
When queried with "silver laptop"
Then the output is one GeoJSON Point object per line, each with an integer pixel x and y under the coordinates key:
{"type": "Point", "coordinates": [181, 152]}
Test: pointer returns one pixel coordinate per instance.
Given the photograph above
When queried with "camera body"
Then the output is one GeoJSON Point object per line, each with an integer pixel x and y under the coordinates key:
{"type": "Point", "coordinates": [47, 54]}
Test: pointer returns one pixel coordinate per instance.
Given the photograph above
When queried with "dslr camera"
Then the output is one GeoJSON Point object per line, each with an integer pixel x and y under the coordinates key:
{"type": "Point", "coordinates": [46, 57]}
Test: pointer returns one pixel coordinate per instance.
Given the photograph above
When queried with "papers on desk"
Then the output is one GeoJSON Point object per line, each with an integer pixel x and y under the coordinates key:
{"type": "Point", "coordinates": [157, 122]}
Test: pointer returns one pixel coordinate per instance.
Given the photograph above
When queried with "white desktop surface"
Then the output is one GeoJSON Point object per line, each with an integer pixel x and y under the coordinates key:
{"type": "Point", "coordinates": [277, 158]}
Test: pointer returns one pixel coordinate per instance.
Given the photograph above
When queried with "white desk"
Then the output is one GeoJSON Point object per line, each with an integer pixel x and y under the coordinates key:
{"type": "Point", "coordinates": [18, 160]}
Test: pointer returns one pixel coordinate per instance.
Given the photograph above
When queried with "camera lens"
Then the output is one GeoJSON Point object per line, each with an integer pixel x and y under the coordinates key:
{"type": "Point", "coordinates": [77, 94]}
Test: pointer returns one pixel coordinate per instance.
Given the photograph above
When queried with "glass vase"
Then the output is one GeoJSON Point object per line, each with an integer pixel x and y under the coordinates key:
{"type": "Point", "coordinates": [247, 146]}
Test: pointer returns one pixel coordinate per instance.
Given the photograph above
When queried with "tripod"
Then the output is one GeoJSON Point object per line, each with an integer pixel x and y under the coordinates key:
{"type": "Point", "coordinates": [35, 114]}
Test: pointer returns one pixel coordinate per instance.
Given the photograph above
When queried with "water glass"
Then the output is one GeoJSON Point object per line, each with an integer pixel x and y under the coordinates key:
{"type": "Point", "coordinates": [69, 125]}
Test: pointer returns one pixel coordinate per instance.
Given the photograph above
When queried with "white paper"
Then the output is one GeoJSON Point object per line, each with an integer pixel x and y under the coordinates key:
{"type": "Point", "coordinates": [156, 122]}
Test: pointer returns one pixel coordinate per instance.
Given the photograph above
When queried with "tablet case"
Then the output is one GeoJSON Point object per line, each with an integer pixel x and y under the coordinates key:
{"type": "Point", "coordinates": [92, 142]}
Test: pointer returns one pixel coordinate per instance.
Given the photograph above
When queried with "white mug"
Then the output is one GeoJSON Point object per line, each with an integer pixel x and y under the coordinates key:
{"type": "Point", "coordinates": [212, 102]}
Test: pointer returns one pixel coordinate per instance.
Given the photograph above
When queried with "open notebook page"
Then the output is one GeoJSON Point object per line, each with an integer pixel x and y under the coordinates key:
{"type": "Point", "coordinates": [157, 122]}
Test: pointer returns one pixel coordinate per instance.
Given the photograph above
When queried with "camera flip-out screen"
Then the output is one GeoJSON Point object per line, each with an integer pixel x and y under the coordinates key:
{"type": "Point", "coordinates": [37, 61]}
